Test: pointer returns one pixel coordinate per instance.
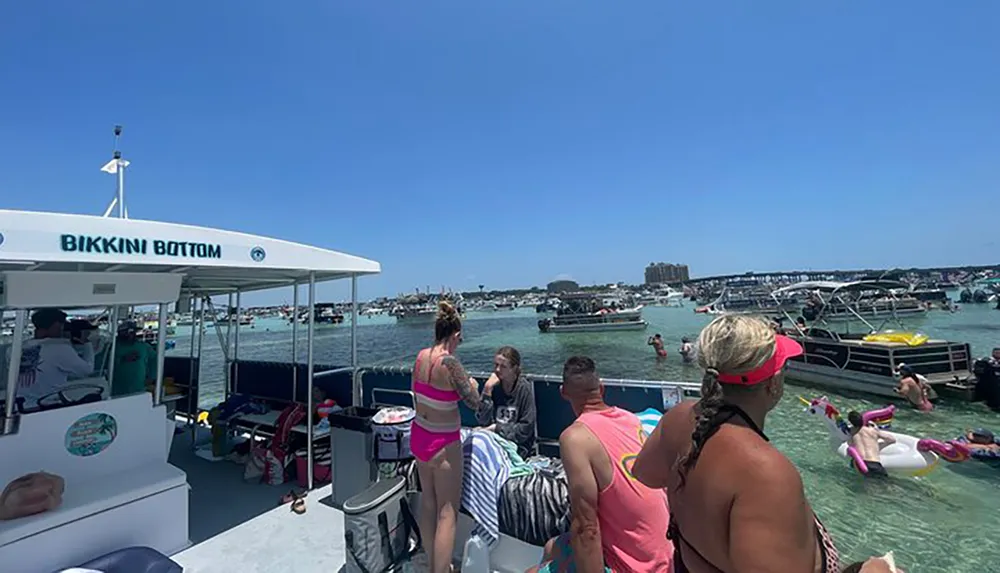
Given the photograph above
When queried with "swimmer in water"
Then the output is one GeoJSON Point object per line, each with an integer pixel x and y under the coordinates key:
{"type": "Point", "coordinates": [982, 441]}
{"type": "Point", "coordinates": [656, 341]}
{"type": "Point", "coordinates": [687, 350]}
{"type": "Point", "coordinates": [914, 388]}
{"type": "Point", "coordinates": [865, 439]}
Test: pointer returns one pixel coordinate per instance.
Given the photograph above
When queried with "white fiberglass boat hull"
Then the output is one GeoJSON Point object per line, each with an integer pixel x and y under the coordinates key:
{"type": "Point", "coordinates": [599, 327]}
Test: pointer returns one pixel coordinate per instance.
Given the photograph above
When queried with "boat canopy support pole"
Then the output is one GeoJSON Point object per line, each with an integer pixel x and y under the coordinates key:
{"type": "Point", "coordinates": [355, 381]}
{"type": "Point", "coordinates": [193, 308]}
{"type": "Point", "coordinates": [223, 342]}
{"type": "Point", "coordinates": [850, 308]}
{"type": "Point", "coordinates": [309, 376]}
{"type": "Point", "coordinates": [201, 344]}
{"type": "Point", "coordinates": [295, 340]}
{"type": "Point", "coordinates": [13, 369]}
{"type": "Point", "coordinates": [236, 341]}
{"type": "Point", "coordinates": [161, 348]}
{"type": "Point", "coordinates": [113, 327]}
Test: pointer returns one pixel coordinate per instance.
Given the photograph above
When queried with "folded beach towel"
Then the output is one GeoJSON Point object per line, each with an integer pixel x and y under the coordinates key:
{"type": "Point", "coordinates": [486, 471]}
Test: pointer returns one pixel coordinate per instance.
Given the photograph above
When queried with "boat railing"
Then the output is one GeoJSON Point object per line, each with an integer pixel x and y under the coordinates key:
{"type": "Point", "coordinates": [407, 370]}
{"type": "Point", "coordinates": [332, 372]}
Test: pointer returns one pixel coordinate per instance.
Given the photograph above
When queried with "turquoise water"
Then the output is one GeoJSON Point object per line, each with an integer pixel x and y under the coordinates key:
{"type": "Point", "coordinates": [946, 522]}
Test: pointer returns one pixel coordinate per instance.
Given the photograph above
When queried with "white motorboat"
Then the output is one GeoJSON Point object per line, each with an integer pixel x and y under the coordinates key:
{"type": "Point", "coordinates": [585, 312]}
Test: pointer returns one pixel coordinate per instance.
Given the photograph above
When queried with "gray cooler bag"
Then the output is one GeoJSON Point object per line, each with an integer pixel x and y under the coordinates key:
{"type": "Point", "coordinates": [378, 527]}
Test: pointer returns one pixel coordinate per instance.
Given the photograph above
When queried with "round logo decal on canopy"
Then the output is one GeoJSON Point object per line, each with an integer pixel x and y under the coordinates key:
{"type": "Point", "coordinates": [91, 434]}
{"type": "Point", "coordinates": [1, 238]}
{"type": "Point", "coordinates": [257, 254]}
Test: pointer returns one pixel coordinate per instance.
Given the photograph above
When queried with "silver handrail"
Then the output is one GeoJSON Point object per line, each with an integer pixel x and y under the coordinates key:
{"type": "Point", "coordinates": [326, 373]}
{"type": "Point", "coordinates": [653, 384]}
{"type": "Point", "coordinates": [413, 399]}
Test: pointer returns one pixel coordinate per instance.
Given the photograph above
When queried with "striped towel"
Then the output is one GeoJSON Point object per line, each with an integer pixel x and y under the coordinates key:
{"type": "Point", "coordinates": [649, 418]}
{"type": "Point", "coordinates": [486, 471]}
{"type": "Point", "coordinates": [518, 467]}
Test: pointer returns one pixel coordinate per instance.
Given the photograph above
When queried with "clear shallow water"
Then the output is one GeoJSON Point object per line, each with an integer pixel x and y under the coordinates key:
{"type": "Point", "coordinates": [946, 522]}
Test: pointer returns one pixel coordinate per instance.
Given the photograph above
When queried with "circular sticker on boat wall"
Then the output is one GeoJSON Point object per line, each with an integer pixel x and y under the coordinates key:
{"type": "Point", "coordinates": [91, 434]}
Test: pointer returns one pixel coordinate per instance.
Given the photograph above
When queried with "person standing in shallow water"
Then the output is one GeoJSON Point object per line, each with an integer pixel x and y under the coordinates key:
{"type": "Point", "coordinates": [736, 503]}
{"type": "Point", "coordinates": [656, 341]}
{"type": "Point", "coordinates": [914, 388]}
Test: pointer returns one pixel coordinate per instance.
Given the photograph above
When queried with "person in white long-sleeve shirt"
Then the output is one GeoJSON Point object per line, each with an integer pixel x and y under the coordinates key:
{"type": "Point", "coordinates": [49, 360]}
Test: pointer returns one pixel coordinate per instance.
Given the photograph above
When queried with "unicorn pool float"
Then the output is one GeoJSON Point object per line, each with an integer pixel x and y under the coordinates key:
{"type": "Point", "coordinates": [908, 455]}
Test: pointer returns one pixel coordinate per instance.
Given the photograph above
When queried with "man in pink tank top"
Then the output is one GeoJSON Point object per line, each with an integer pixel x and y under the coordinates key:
{"type": "Point", "coordinates": [618, 524]}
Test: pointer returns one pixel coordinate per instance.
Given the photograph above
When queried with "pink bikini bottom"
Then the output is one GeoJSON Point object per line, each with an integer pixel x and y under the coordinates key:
{"type": "Point", "coordinates": [425, 443]}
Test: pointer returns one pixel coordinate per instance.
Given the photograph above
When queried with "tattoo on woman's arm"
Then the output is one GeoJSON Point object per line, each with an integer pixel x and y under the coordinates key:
{"type": "Point", "coordinates": [460, 380]}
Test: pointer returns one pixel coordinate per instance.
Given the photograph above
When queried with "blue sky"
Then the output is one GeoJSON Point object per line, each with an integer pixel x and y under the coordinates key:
{"type": "Point", "coordinates": [506, 143]}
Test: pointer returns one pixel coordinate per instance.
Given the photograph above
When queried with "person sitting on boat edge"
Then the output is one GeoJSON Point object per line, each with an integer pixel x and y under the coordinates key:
{"type": "Point", "coordinates": [734, 498]}
{"type": "Point", "coordinates": [914, 388]}
{"type": "Point", "coordinates": [49, 359]}
{"type": "Point", "coordinates": [865, 439]}
{"type": "Point", "coordinates": [617, 523]}
{"type": "Point", "coordinates": [508, 402]}
{"type": "Point", "coordinates": [656, 341]}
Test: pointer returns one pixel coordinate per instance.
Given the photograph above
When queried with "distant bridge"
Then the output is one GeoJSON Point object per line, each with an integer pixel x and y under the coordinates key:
{"type": "Point", "coordinates": [837, 274]}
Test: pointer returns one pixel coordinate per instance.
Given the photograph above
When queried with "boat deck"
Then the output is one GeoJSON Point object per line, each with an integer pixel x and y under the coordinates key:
{"type": "Point", "coordinates": [237, 526]}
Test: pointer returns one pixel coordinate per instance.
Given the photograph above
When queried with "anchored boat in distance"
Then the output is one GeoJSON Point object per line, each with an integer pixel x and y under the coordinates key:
{"type": "Point", "coordinates": [586, 312]}
{"type": "Point", "coordinates": [866, 360]}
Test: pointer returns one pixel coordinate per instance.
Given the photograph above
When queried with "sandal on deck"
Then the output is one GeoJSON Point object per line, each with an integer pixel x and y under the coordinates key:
{"type": "Point", "coordinates": [299, 503]}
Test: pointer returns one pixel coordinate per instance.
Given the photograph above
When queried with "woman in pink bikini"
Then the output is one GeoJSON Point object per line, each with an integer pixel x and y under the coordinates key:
{"type": "Point", "coordinates": [439, 384]}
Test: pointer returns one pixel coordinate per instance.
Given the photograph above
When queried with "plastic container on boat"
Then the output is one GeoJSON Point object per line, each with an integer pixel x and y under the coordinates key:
{"type": "Point", "coordinates": [476, 557]}
{"type": "Point", "coordinates": [352, 445]}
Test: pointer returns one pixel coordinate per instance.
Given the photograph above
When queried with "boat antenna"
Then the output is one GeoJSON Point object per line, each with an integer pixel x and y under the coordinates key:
{"type": "Point", "coordinates": [117, 167]}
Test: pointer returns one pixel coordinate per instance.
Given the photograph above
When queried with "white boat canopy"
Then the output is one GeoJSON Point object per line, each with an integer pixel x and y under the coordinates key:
{"type": "Point", "coordinates": [212, 261]}
{"type": "Point", "coordinates": [836, 286]}
{"type": "Point", "coordinates": [204, 262]}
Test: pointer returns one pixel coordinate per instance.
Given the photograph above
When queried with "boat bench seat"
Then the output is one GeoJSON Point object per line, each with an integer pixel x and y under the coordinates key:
{"type": "Point", "coordinates": [85, 498]}
{"type": "Point", "coordinates": [124, 494]}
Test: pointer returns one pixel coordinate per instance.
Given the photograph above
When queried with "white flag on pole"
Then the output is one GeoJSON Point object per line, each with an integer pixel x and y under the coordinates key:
{"type": "Point", "coordinates": [112, 166]}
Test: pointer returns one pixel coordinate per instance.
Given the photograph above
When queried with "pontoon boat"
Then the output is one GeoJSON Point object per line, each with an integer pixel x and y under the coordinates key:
{"type": "Point", "coordinates": [585, 312]}
{"type": "Point", "coordinates": [862, 362]}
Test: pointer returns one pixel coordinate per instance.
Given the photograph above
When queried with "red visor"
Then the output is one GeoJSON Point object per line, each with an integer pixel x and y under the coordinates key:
{"type": "Point", "coordinates": [784, 348]}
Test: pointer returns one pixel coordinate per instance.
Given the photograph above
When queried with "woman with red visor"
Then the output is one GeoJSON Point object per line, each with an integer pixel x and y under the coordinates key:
{"type": "Point", "coordinates": [736, 503]}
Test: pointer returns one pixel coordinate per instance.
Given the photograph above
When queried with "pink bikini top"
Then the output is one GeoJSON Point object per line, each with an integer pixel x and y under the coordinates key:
{"type": "Point", "coordinates": [427, 394]}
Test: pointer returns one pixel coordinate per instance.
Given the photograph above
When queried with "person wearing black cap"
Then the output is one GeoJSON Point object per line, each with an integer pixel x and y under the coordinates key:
{"type": "Point", "coordinates": [135, 361]}
{"type": "Point", "coordinates": [48, 360]}
{"type": "Point", "coordinates": [980, 440]}
{"type": "Point", "coordinates": [914, 388]}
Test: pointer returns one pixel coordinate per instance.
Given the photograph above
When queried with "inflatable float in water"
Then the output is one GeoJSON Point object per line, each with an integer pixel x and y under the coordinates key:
{"type": "Point", "coordinates": [977, 451]}
{"type": "Point", "coordinates": [907, 338]}
{"type": "Point", "coordinates": [881, 417]}
{"type": "Point", "coordinates": [908, 455]}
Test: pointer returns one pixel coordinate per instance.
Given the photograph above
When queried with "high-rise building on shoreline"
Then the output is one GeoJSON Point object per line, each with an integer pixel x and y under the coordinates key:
{"type": "Point", "coordinates": [659, 273]}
